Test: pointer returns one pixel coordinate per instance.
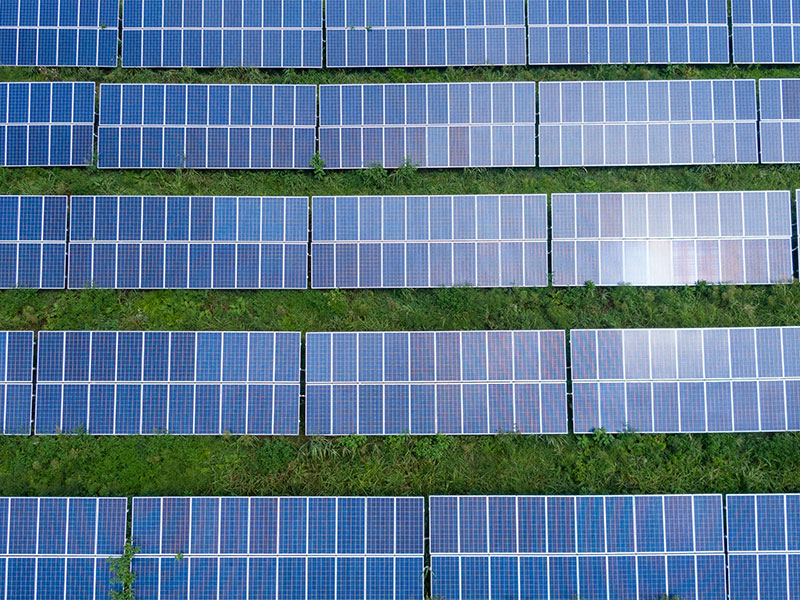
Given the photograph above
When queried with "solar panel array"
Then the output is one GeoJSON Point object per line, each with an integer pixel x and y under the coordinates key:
{"type": "Point", "coordinates": [686, 380]}
{"type": "Point", "coordinates": [58, 547]}
{"type": "Point", "coordinates": [604, 547]}
{"type": "Point", "coordinates": [448, 382]}
{"type": "Point", "coordinates": [429, 241]}
{"type": "Point", "coordinates": [402, 33]}
{"type": "Point", "coordinates": [33, 241]}
{"type": "Point", "coordinates": [766, 31]}
{"type": "Point", "coordinates": [763, 545]}
{"type": "Point", "coordinates": [46, 124]}
{"type": "Point", "coordinates": [628, 31]}
{"type": "Point", "coordinates": [302, 548]}
{"type": "Point", "coordinates": [222, 33]}
{"type": "Point", "coordinates": [16, 383]}
{"type": "Point", "coordinates": [780, 119]}
{"type": "Point", "coordinates": [428, 124]}
{"type": "Point", "coordinates": [424, 33]}
{"type": "Point", "coordinates": [672, 238]}
{"type": "Point", "coordinates": [593, 123]}
{"type": "Point", "coordinates": [188, 242]}
{"type": "Point", "coordinates": [356, 548]}
{"type": "Point", "coordinates": [627, 123]}
{"type": "Point", "coordinates": [59, 33]}
{"type": "Point", "coordinates": [145, 382]}
{"type": "Point", "coordinates": [198, 126]}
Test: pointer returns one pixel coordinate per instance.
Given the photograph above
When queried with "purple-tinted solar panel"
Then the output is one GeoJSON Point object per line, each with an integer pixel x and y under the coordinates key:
{"type": "Point", "coordinates": [686, 380]}
{"type": "Point", "coordinates": [448, 382]}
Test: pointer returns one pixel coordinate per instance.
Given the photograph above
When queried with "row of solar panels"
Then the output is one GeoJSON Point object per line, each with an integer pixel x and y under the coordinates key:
{"type": "Point", "coordinates": [396, 33]}
{"type": "Point", "coordinates": [430, 125]}
{"type": "Point", "coordinates": [389, 383]}
{"type": "Point", "coordinates": [356, 548]}
{"type": "Point", "coordinates": [135, 242]}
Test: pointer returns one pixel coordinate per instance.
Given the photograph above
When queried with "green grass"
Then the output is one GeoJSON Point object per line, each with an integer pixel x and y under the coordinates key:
{"type": "Point", "coordinates": [399, 465]}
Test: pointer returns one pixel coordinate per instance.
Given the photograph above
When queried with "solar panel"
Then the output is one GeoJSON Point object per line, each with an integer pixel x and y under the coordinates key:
{"type": "Point", "coordinates": [188, 242]}
{"type": "Point", "coordinates": [16, 382]}
{"type": "Point", "coordinates": [780, 119]}
{"type": "Point", "coordinates": [198, 126]}
{"type": "Point", "coordinates": [763, 545]}
{"type": "Point", "coordinates": [424, 382]}
{"type": "Point", "coordinates": [599, 547]}
{"type": "Point", "coordinates": [287, 548]}
{"type": "Point", "coordinates": [424, 33]}
{"type": "Point", "coordinates": [46, 124]}
{"type": "Point", "coordinates": [628, 31]}
{"type": "Point", "coordinates": [766, 31]}
{"type": "Point", "coordinates": [222, 33]}
{"type": "Point", "coordinates": [33, 241]}
{"type": "Point", "coordinates": [608, 123]}
{"type": "Point", "coordinates": [59, 33]}
{"type": "Point", "coordinates": [429, 241]}
{"type": "Point", "coordinates": [672, 238]}
{"type": "Point", "coordinates": [428, 124]}
{"type": "Point", "coordinates": [180, 382]}
{"type": "Point", "coordinates": [686, 380]}
{"type": "Point", "coordinates": [59, 547]}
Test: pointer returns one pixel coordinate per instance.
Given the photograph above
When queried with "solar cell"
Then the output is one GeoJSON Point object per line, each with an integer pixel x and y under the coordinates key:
{"type": "Point", "coordinates": [686, 380]}
{"type": "Point", "coordinates": [672, 238]}
{"type": "Point", "coordinates": [780, 120]}
{"type": "Point", "coordinates": [429, 241]}
{"type": "Point", "coordinates": [222, 33]}
{"type": "Point", "coordinates": [188, 242]}
{"type": "Point", "coordinates": [599, 547]}
{"type": "Point", "coordinates": [766, 31]}
{"type": "Point", "coordinates": [33, 241]}
{"type": "Point", "coordinates": [428, 124]}
{"type": "Point", "coordinates": [299, 548]}
{"type": "Point", "coordinates": [198, 126]}
{"type": "Point", "coordinates": [46, 124]}
{"type": "Point", "coordinates": [59, 547]}
{"type": "Point", "coordinates": [628, 31]}
{"type": "Point", "coordinates": [59, 33]}
{"type": "Point", "coordinates": [448, 382]}
{"type": "Point", "coordinates": [180, 382]}
{"type": "Point", "coordinates": [16, 383]}
{"type": "Point", "coordinates": [628, 123]}
{"type": "Point", "coordinates": [763, 545]}
{"type": "Point", "coordinates": [424, 33]}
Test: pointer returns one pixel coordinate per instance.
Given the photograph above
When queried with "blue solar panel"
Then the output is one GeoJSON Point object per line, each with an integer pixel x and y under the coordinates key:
{"type": "Point", "coordinates": [628, 31]}
{"type": "Point", "coordinates": [428, 124]}
{"type": "Point", "coordinates": [202, 126]}
{"type": "Point", "coordinates": [46, 124]}
{"type": "Point", "coordinates": [686, 380]}
{"type": "Point", "coordinates": [429, 241]}
{"type": "Point", "coordinates": [424, 33]}
{"type": "Point", "coordinates": [222, 33]}
{"type": "Point", "coordinates": [780, 120]}
{"type": "Point", "coordinates": [59, 33]}
{"type": "Point", "coordinates": [188, 242]}
{"type": "Point", "coordinates": [33, 241]}
{"type": "Point", "coordinates": [16, 382]}
{"type": "Point", "coordinates": [449, 382]}
{"type": "Point", "coordinates": [608, 123]}
{"type": "Point", "coordinates": [766, 31]}
{"type": "Point", "coordinates": [286, 548]}
{"type": "Point", "coordinates": [59, 547]}
{"type": "Point", "coordinates": [180, 382]}
{"type": "Point", "coordinates": [672, 238]}
{"type": "Point", "coordinates": [561, 547]}
{"type": "Point", "coordinates": [763, 545]}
